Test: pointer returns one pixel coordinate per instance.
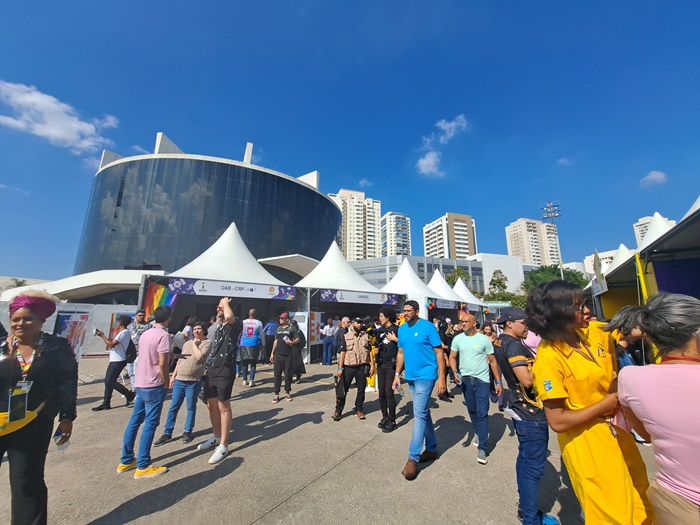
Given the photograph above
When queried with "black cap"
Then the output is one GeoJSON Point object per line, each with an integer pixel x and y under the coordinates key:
{"type": "Point", "coordinates": [140, 311]}
{"type": "Point", "coordinates": [511, 314]}
{"type": "Point", "coordinates": [358, 320]}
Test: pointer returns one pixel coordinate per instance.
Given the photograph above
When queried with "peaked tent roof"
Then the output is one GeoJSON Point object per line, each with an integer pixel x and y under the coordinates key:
{"type": "Point", "coordinates": [335, 273]}
{"type": "Point", "coordinates": [439, 285]}
{"type": "Point", "coordinates": [228, 259]}
{"type": "Point", "coordinates": [406, 282]}
{"type": "Point", "coordinates": [657, 227]}
{"type": "Point", "coordinates": [622, 254]}
{"type": "Point", "coordinates": [461, 289]}
{"type": "Point", "coordinates": [695, 207]}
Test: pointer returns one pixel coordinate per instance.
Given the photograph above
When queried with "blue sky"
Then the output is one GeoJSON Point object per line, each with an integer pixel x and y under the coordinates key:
{"type": "Point", "coordinates": [485, 108]}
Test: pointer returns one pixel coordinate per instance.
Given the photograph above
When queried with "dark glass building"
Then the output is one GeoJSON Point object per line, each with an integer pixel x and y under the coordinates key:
{"type": "Point", "coordinates": [161, 211]}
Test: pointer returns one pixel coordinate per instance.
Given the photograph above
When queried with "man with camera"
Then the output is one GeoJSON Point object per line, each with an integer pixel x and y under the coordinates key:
{"type": "Point", "coordinates": [354, 363]}
{"type": "Point", "coordinates": [386, 363]}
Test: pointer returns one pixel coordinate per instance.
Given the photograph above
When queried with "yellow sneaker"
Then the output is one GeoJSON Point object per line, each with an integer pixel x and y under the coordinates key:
{"type": "Point", "coordinates": [149, 472]}
{"type": "Point", "coordinates": [124, 467]}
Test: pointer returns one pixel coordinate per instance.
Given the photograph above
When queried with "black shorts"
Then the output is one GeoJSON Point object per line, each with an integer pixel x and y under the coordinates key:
{"type": "Point", "coordinates": [219, 387]}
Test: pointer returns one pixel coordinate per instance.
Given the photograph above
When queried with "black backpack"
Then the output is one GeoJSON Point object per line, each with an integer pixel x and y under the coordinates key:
{"type": "Point", "coordinates": [131, 352]}
{"type": "Point", "coordinates": [302, 339]}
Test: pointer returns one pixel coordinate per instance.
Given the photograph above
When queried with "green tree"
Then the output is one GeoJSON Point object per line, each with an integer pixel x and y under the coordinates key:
{"type": "Point", "coordinates": [498, 282]}
{"type": "Point", "coordinates": [545, 274]}
{"type": "Point", "coordinates": [16, 283]}
{"type": "Point", "coordinates": [458, 273]}
{"type": "Point", "coordinates": [516, 300]}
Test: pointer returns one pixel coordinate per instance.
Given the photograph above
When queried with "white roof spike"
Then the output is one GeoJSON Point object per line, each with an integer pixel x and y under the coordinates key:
{"type": "Point", "coordinates": [695, 207]}
{"type": "Point", "coordinates": [406, 282]}
{"type": "Point", "coordinates": [467, 297]}
{"type": "Point", "coordinates": [439, 285]}
{"type": "Point", "coordinates": [622, 255]}
{"type": "Point", "coordinates": [228, 259]}
{"type": "Point", "coordinates": [657, 227]}
{"type": "Point", "coordinates": [335, 273]}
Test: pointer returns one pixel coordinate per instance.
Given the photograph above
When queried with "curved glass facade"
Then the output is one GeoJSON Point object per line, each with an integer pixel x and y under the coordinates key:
{"type": "Point", "coordinates": [167, 211]}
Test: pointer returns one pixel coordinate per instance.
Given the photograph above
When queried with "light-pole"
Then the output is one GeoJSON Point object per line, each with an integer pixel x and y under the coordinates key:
{"type": "Point", "coordinates": [551, 211]}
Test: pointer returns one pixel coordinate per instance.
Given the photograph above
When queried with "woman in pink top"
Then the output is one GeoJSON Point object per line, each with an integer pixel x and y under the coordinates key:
{"type": "Point", "coordinates": [660, 401]}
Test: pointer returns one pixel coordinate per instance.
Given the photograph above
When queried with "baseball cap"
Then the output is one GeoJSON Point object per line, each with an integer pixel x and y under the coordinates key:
{"type": "Point", "coordinates": [284, 315]}
{"type": "Point", "coordinates": [140, 311]}
{"type": "Point", "coordinates": [357, 320]}
{"type": "Point", "coordinates": [448, 320]}
{"type": "Point", "coordinates": [511, 314]}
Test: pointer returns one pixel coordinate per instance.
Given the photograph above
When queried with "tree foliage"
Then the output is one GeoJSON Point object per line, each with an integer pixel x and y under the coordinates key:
{"type": "Point", "coordinates": [516, 300]}
{"type": "Point", "coordinates": [545, 274]}
{"type": "Point", "coordinates": [16, 283]}
{"type": "Point", "coordinates": [457, 273]}
{"type": "Point", "coordinates": [498, 282]}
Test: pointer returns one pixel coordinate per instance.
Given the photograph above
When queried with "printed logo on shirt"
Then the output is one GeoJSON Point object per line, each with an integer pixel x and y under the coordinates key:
{"type": "Point", "coordinates": [547, 385]}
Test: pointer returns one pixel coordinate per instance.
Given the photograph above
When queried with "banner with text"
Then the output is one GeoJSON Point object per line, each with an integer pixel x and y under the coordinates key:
{"type": "Point", "coordinates": [343, 296]}
{"type": "Point", "coordinates": [229, 289]}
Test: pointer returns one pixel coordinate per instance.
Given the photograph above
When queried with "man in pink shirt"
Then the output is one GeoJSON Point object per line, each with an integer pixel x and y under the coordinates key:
{"type": "Point", "coordinates": [152, 380]}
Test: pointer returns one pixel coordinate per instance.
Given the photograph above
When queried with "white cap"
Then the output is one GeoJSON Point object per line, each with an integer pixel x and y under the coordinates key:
{"type": "Point", "coordinates": [447, 320]}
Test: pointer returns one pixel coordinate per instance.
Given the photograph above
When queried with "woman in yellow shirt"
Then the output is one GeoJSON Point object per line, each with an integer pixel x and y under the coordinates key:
{"type": "Point", "coordinates": [574, 373]}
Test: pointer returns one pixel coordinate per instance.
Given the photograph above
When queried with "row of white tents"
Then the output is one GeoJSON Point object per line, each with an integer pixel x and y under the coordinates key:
{"type": "Point", "coordinates": [228, 260]}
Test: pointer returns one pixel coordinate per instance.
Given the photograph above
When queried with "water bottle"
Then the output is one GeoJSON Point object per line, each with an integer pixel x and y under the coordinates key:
{"type": "Point", "coordinates": [57, 438]}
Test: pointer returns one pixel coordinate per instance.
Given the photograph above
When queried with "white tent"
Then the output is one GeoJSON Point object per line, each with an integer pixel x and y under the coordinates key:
{"type": "Point", "coordinates": [335, 273]}
{"type": "Point", "coordinates": [229, 260]}
{"type": "Point", "coordinates": [695, 207]}
{"type": "Point", "coordinates": [657, 227]}
{"type": "Point", "coordinates": [438, 285]}
{"type": "Point", "coordinates": [622, 255]}
{"type": "Point", "coordinates": [473, 303]}
{"type": "Point", "coordinates": [407, 283]}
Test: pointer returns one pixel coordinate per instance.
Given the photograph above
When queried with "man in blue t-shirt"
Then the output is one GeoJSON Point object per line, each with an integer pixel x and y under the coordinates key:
{"type": "Point", "coordinates": [420, 349]}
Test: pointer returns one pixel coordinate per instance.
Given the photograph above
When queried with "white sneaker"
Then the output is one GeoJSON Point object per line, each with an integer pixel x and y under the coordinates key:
{"type": "Point", "coordinates": [245, 383]}
{"type": "Point", "coordinates": [251, 383]}
{"type": "Point", "coordinates": [475, 441]}
{"type": "Point", "coordinates": [209, 443]}
{"type": "Point", "coordinates": [219, 454]}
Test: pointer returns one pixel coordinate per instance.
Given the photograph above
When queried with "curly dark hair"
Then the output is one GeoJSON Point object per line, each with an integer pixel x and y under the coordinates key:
{"type": "Point", "coordinates": [388, 312]}
{"type": "Point", "coordinates": [551, 309]}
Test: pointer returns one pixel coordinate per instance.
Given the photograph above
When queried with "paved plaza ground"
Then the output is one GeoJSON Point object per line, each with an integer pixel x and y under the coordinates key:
{"type": "Point", "coordinates": [291, 463]}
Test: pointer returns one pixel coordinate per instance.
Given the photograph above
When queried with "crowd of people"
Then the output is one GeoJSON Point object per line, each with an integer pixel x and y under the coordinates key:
{"type": "Point", "coordinates": [580, 379]}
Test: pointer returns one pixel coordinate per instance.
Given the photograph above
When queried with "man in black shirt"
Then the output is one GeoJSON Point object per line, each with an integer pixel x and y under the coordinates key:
{"type": "Point", "coordinates": [386, 365]}
{"type": "Point", "coordinates": [525, 409]}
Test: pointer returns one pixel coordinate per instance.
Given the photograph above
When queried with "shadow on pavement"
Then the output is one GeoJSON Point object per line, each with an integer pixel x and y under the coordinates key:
{"type": "Point", "coordinates": [168, 495]}
{"type": "Point", "coordinates": [257, 427]}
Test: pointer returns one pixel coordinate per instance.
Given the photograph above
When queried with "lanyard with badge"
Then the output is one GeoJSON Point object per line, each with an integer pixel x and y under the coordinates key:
{"type": "Point", "coordinates": [17, 404]}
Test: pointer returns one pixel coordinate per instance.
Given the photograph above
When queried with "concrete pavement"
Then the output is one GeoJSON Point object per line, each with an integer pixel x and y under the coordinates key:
{"type": "Point", "coordinates": [291, 463]}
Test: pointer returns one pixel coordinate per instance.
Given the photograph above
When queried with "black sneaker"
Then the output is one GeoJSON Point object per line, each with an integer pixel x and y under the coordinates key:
{"type": "Point", "coordinates": [162, 440]}
{"type": "Point", "coordinates": [130, 399]}
{"type": "Point", "coordinates": [383, 422]}
{"type": "Point", "coordinates": [100, 408]}
{"type": "Point", "coordinates": [389, 427]}
{"type": "Point", "coordinates": [187, 437]}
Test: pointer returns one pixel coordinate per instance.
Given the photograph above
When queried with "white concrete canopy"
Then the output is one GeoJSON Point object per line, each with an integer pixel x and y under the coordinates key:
{"type": "Point", "coordinates": [335, 273]}
{"type": "Point", "coordinates": [467, 296]}
{"type": "Point", "coordinates": [228, 259]}
{"type": "Point", "coordinates": [86, 284]}
{"type": "Point", "coordinates": [439, 285]}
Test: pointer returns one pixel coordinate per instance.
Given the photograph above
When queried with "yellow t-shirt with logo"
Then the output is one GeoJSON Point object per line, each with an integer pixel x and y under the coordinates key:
{"type": "Point", "coordinates": [607, 473]}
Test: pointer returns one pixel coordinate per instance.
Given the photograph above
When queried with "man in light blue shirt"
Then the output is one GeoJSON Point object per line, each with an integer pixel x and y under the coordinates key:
{"type": "Point", "coordinates": [420, 349]}
{"type": "Point", "coordinates": [474, 352]}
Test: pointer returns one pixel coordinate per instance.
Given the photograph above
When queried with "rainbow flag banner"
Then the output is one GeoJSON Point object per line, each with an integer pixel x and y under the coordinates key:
{"type": "Point", "coordinates": [158, 295]}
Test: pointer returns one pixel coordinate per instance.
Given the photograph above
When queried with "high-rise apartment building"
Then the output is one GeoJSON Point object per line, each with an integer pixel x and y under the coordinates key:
{"type": "Point", "coordinates": [535, 242]}
{"type": "Point", "coordinates": [395, 234]}
{"type": "Point", "coordinates": [360, 231]}
{"type": "Point", "coordinates": [642, 225]}
{"type": "Point", "coordinates": [452, 236]}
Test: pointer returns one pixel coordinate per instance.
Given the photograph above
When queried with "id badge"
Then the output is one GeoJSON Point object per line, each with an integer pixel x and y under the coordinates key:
{"type": "Point", "coordinates": [22, 387]}
{"type": "Point", "coordinates": [18, 407]}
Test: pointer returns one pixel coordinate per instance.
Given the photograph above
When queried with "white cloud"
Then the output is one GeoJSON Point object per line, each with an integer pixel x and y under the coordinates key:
{"type": "Point", "coordinates": [653, 178]}
{"type": "Point", "coordinates": [47, 117]}
{"type": "Point", "coordinates": [448, 130]}
{"type": "Point", "coordinates": [11, 188]}
{"type": "Point", "coordinates": [564, 161]}
{"type": "Point", "coordinates": [365, 182]}
{"type": "Point", "coordinates": [140, 150]}
{"type": "Point", "coordinates": [429, 164]}
{"type": "Point", "coordinates": [92, 163]}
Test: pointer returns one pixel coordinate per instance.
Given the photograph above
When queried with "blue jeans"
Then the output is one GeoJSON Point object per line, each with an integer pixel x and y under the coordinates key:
{"type": "Point", "coordinates": [182, 390]}
{"type": "Point", "coordinates": [243, 368]}
{"type": "Point", "coordinates": [327, 351]}
{"type": "Point", "coordinates": [147, 407]}
{"type": "Point", "coordinates": [423, 429]}
{"type": "Point", "coordinates": [529, 467]}
{"type": "Point", "coordinates": [476, 396]}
